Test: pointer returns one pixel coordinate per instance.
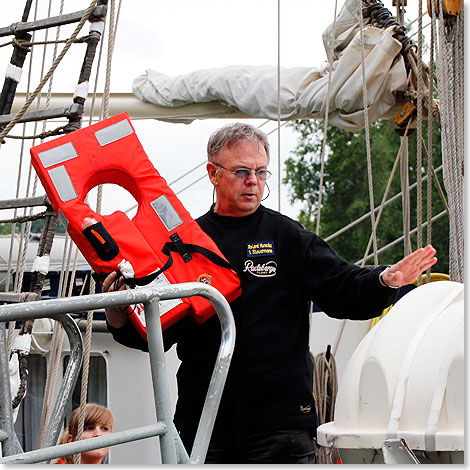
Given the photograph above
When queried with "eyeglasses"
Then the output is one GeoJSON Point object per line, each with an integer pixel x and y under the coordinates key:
{"type": "Point", "coordinates": [244, 173]}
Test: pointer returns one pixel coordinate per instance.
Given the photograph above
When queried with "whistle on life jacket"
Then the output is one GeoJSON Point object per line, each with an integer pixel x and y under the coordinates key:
{"type": "Point", "coordinates": [100, 239]}
{"type": "Point", "coordinates": [161, 245]}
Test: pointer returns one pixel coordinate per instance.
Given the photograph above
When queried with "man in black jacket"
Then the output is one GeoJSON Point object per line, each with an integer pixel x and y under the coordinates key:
{"type": "Point", "coordinates": [267, 413]}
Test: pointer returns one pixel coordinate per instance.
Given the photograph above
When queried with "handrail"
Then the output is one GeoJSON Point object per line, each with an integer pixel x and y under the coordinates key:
{"type": "Point", "coordinates": [149, 297]}
{"type": "Point", "coordinates": [76, 447]}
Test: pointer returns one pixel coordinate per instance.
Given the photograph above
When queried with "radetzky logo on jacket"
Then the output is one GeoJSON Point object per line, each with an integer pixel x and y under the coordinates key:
{"type": "Point", "coordinates": [261, 269]}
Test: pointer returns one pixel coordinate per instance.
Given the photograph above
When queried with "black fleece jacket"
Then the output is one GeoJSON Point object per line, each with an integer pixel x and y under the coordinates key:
{"type": "Point", "coordinates": [281, 267]}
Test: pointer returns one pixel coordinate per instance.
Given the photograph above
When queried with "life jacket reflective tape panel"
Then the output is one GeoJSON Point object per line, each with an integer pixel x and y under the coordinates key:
{"type": "Point", "coordinates": [161, 244]}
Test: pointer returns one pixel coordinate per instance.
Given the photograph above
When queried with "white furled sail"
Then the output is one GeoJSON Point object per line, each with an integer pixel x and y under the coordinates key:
{"type": "Point", "coordinates": [304, 90]}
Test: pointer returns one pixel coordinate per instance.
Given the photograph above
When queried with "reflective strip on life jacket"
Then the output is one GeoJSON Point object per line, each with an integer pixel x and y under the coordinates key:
{"type": "Point", "coordinates": [62, 183]}
{"type": "Point", "coordinates": [162, 243]}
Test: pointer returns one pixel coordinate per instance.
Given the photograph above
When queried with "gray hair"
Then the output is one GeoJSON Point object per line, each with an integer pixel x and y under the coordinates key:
{"type": "Point", "coordinates": [231, 134]}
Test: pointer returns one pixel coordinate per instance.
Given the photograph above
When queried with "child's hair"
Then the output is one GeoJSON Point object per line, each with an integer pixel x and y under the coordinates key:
{"type": "Point", "coordinates": [94, 414]}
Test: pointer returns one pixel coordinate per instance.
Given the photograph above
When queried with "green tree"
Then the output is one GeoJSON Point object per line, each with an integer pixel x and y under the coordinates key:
{"type": "Point", "coordinates": [36, 227]}
{"type": "Point", "coordinates": [345, 195]}
{"type": "Point", "coordinates": [5, 229]}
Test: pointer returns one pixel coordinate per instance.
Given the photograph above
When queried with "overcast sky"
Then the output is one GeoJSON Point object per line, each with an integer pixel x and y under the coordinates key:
{"type": "Point", "coordinates": [177, 37]}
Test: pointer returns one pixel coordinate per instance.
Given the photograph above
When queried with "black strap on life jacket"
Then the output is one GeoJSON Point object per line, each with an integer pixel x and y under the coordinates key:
{"type": "Point", "coordinates": [185, 250]}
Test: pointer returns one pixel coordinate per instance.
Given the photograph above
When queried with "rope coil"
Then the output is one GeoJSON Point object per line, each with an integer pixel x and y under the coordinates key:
{"type": "Point", "coordinates": [325, 388]}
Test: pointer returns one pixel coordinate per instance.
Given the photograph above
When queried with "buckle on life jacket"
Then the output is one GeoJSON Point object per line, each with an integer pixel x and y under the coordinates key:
{"type": "Point", "coordinates": [181, 247]}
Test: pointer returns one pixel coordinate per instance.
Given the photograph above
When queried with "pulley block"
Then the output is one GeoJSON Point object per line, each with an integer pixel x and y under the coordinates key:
{"type": "Point", "coordinates": [405, 114]}
{"type": "Point", "coordinates": [450, 7]}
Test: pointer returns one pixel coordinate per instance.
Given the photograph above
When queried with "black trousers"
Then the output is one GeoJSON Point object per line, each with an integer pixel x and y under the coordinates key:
{"type": "Point", "coordinates": [287, 446]}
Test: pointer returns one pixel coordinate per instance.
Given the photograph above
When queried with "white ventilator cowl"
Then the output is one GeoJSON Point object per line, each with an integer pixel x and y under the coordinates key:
{"type": "Point", "coordinates": [405, 380]}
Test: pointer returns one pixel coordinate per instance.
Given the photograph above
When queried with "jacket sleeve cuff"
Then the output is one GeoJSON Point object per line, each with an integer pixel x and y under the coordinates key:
{"type": "Point", "coordinates": [381, 280]}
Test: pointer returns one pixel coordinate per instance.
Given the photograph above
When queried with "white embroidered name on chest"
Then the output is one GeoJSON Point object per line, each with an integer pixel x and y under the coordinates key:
{"type": "Point", "coordinates": [268, 269]}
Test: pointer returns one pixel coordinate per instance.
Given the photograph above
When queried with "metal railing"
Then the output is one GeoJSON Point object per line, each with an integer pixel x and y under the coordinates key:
{"type": "Point", "coordinates": [171, 447]}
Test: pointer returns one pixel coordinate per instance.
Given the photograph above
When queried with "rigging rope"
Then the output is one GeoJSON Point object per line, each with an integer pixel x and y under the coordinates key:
{"type": "Point", "coordinates": [325, 130]}
{"type": "Point", "coordinates": [419, 133]}
{"type": "Point", "coordinates": [43, 135]}
{"type": "Point", "coordinates": [406, 206]}
{"type": "Point", "coordinates": [387, 189]}
{"type": "Point", "coordinates": [24, 44]}
{"type": "Point", "coordinates": [98, 68]}
{"type": "Point", "coordinates": [429, 149]}
{"type": "Point", "coordinates": [450, 76]}
{"type": "Point", "coordinates": [107, 85]}
{"type": "Point", "coordinates": [366, 127]}
{"type": "Point", "coordinates": [458, 156]}
{"type": "Point", "coordinates": [23, 219]}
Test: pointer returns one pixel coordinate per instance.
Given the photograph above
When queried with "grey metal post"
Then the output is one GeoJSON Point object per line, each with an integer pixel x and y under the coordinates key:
{"type": "Point", "coordinates": [69, 380]}
{"type": "Point", "coordinates": [160, 379]}
{"type": "Point", "coordinates": [219, 375]}
{"type": "Point", "coordinates": [9, 442]}
{"type": "Point", "coordinates": [222, 363]}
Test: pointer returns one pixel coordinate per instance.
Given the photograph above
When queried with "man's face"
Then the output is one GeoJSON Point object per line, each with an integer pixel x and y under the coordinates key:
{"type": "Point", "coordinates": [238, 197]}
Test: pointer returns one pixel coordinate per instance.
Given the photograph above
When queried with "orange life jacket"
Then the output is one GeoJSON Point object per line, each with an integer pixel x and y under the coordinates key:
{"type": "Point", "coordinates": [161, 244]}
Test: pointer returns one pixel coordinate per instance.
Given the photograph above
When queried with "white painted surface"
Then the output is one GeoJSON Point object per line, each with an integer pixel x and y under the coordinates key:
{"type": "Point", "coordinates": [406, 378]}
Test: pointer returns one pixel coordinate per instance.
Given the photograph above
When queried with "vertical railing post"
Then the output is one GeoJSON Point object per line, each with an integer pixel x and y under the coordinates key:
{"type": "Point", "coordinates": [9, 444]}
{"type": "Point", "coordinates": [160, 379]}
